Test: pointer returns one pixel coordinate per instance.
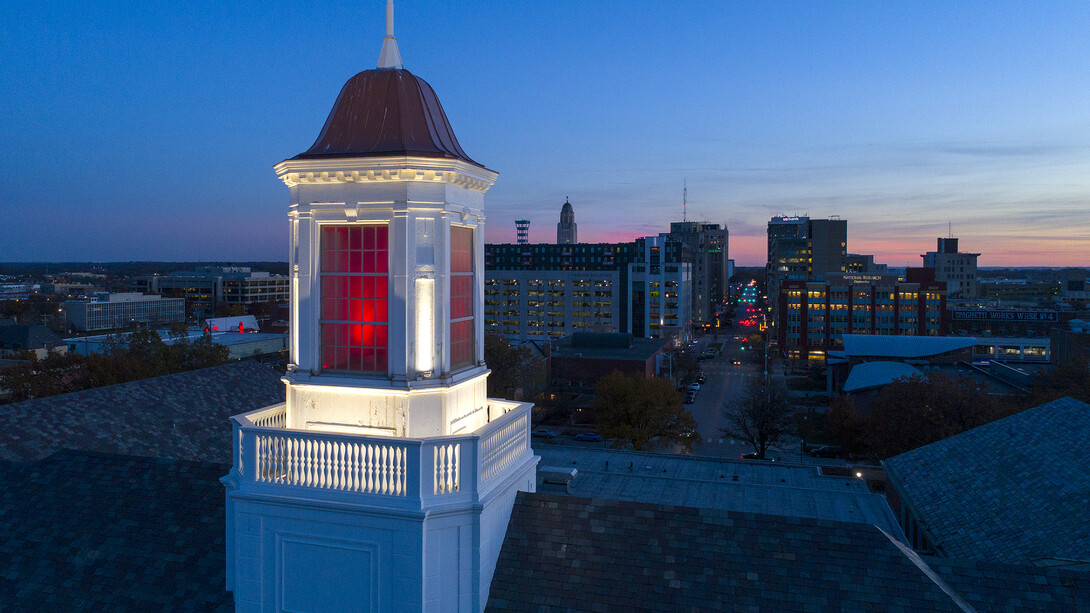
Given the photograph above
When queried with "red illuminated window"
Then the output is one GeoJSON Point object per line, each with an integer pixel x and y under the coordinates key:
{"type": "Point", "coordinates": [461, 298]}
{"type": "Point", "coordinates": [354, 279]}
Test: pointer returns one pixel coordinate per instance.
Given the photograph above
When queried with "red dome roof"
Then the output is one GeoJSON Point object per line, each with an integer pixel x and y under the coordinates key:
{"type": "Point", "coordinates": [387, 112]}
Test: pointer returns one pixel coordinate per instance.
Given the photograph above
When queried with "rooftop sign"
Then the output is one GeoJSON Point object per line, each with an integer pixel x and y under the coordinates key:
{"type": "Point", "coordinates": [994, 315]}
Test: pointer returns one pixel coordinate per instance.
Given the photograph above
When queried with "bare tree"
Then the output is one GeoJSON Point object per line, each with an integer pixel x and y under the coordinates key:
{"type": "Point", "coordinates": [762, 417]}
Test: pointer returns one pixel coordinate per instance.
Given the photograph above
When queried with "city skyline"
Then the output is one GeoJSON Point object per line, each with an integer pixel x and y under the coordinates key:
{"type": "Point", "coordinates": [150, 132]}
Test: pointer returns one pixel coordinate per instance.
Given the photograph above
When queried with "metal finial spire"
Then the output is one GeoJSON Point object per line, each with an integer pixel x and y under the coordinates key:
{"type": "Point", "coordinates": [390, 56]}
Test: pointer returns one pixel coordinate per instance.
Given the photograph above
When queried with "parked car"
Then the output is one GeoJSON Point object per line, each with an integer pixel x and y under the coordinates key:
{"type": "Point", "coordinates": [593, 437]}
{"type": "Point", "coordinates": [826, 451]}
{"type": "Point", "coordinates": [700, 378]}
{"type": "Point", "coordinates": [694, 387]}
{"type": "Point", "coordinates": [754, 456]}
{"type": "Point", "coordinates": [543, 433]}
{"type": "Point", "coordinates": [690, 397]}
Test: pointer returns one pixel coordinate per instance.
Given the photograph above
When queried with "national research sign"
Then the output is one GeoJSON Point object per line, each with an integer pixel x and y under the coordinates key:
{"type": "Point", "coordinates": [990, 315]}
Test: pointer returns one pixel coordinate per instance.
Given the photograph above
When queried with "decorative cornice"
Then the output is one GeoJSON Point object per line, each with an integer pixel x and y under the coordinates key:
{"type": "Point", "coordinates": [374, 170]}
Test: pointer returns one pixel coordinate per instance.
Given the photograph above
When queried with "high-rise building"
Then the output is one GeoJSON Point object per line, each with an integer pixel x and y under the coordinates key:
{"type": "Point", "coordinates": [567, 232]}
{"type": "Point", "coordinates": [707, 247]}
{"type": "Point", "coordinates": [386, 480]}
{"type": "Point", "coordinates": [522, 231]}
{"type": "Point", "coordinates": [803, 249]}
{"type": "Point", "coordinates": [816, 314]}
{"type": "Point", "coordinates": [660, 290]}
{"type": "Point", "coordinates": [859, 262]}
{"type": "Point", "coordinates": [955, 268]}
{"type": "Point", "coordinates": [543, 291]}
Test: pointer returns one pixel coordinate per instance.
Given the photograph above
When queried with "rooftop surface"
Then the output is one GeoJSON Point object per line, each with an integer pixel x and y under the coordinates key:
{"type": "Point", "coordinates": [641, 349]}
{"type": "Point", "coordinates": [22, 337]}
{"type": "Point", "coordinates": [85, 531]}
{"type": "Point", "coordinates": [182, 416]}
{"type": "Point", "coordinates": [880, 346]}
{"type": "Point", "coordinates": [580, 554]}
{"type": "Point", "coordinates": [761, 487]}
{"type": "Point", "coordinates": [1016, 490]}
{"type": "Point", "coordinates": [384, 113]}
{"type": "Point", "coordinates": [876, 374]}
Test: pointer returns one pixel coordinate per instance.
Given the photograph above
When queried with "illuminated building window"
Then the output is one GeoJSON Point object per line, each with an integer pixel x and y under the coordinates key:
{"type": "Point", "coordinates": [354, 280]}
{"type": "Point", "coordinates": [461, 297]}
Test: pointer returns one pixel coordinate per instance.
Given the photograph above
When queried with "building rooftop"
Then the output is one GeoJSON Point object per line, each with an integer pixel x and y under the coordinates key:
{"type": "Point", "coordinates": [881, 346]}
{"type": "Point", "coordinates": [23, 337]}
{"type": "Point", "coordinates": [734, 485]}
{"type": "Point", "coordinates": [85, 531]}
{"type": "Point", "coordinates": [387, 112]}
{"type": "Point", "coordinates": [870, 375]}
{"type": "Point", "coordinates": [607, 346]}
{"type": "Point", "coordinates": [606, 555]}
{"type": "Point", "coordinates": [182, 416]}
{"type": "Point", "coordinates": [1016, 490]}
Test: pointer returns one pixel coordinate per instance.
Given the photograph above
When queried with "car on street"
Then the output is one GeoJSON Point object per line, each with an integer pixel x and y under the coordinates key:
{"type": "Point", "coordinates": [690, 397]}
{"type": "Point", "coordinates": [592, 437]}
{"type": "Point", "coordinates": [754, 456]}
{"type": "Point", "coordinates": [694, 387]}
{"type": "Point", "coordinates": [736, 362]}
{"type": "Point", "coordinates": [700, 378]}
{"type": "Point", "coordinates": [543, 433]}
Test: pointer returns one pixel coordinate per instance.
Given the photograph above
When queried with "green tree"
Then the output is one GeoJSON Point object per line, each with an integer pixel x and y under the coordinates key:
{"type": "Point", "coordinates": [761, 417]}
{"type": "Point", "coordinates": [34, 378]}
{"type": "Point", "coordinates": [848, 427]}
{"type": "Point", "coordinates": [203, 353]}
{"type": "Point", "coordinates": [1069, 379]}
{"type": "Point", "coordinates": [915, 411]}
{"type": "Point", "coordinates": [686, 365]}
{"type": "Point", "coordinates": [506, 363]}
{"type": "Point", "coordinates": [139, 355]}
{"type": "Point", "coordinates": [635, 409]}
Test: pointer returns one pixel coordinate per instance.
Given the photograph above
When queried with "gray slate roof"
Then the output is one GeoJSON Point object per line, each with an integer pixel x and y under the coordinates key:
{"type": "Point", "coordinates": [579, 554]}
{"type": "Point", "coordinates": [1014, 490]}
{"type": "Point", "coordinates": [719, 483]}
{"type": "Point", "coordinates": [182, 416]}
{"type": "Point", "coordinates": [82, 531]}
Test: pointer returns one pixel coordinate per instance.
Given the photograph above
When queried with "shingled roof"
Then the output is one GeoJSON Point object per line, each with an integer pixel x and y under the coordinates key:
{"type": "Point", "coordinates": [85, 531]}
{"type": "Point", "coordinates": [775, 488]}
{"type": "Point", "coordinates": [184, 416]}
{"type": "Point", "coordinates": [1016, 490]}
{"type": "Point", "coordinates": [580, 554]}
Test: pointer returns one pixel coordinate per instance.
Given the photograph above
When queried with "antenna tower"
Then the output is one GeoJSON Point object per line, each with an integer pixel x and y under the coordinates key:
{"type": "Point", "coordinates": [685, 200]}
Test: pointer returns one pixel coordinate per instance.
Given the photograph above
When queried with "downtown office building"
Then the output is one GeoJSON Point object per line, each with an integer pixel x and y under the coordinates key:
{"type": "Point", "coordinates": [540, 292]}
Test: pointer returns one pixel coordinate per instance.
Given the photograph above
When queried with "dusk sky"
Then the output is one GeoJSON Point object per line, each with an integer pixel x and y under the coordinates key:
{"type": "Point", "coordinates": [148, 131]}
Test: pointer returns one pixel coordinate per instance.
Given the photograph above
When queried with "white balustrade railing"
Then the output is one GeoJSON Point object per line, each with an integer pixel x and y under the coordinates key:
{"type": "Point", "coordinates": [446, 475]}
{"type": "Point", "coordinates": [332, 463]}
{"type": "Point", "coordinates": [275, 416]}
{"type": "Point", "coordinates": [399, 468]}
{"type": "Point", "coordinates": [506, 443]}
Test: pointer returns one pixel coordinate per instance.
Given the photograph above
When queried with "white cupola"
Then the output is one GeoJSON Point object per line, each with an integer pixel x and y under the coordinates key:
{"type": "Point", "coordinates": [386, 478]}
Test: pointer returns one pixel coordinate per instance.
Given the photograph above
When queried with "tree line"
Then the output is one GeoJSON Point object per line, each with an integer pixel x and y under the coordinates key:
{"type": "Point", "coordinates": [139, 355]}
